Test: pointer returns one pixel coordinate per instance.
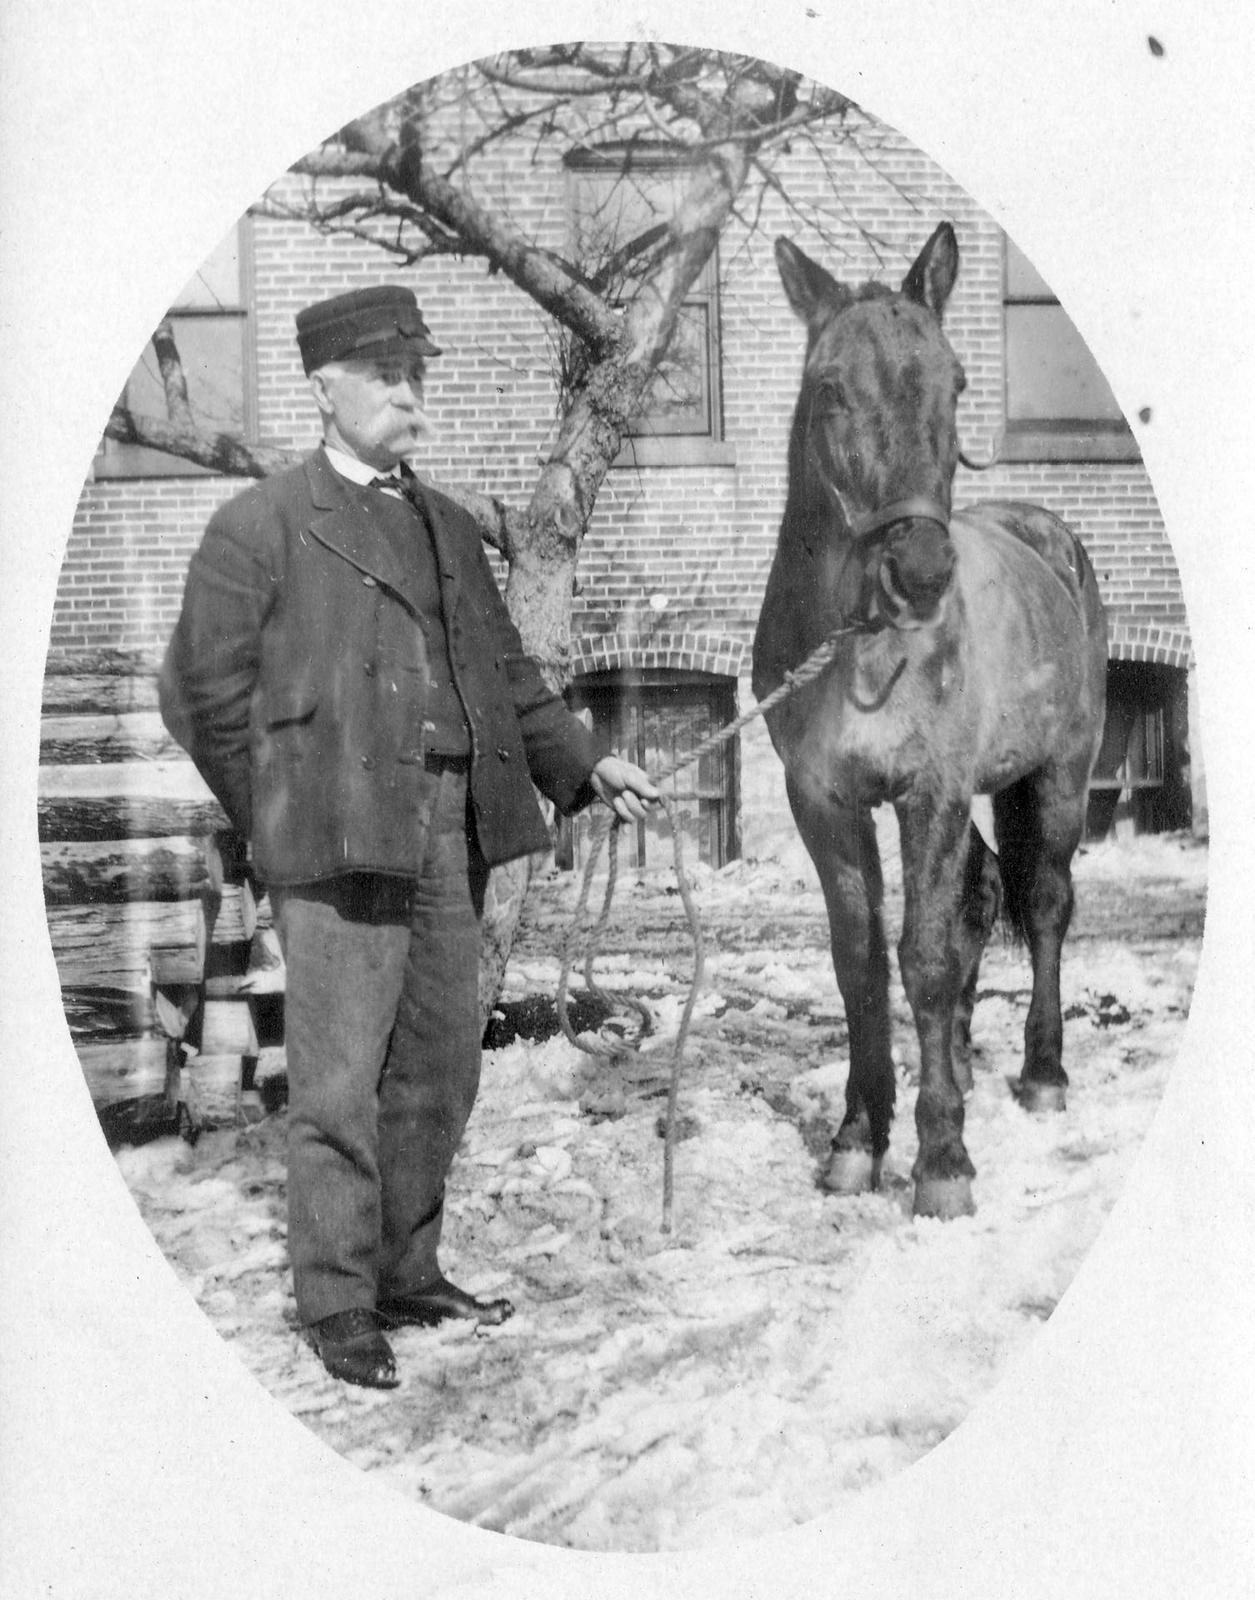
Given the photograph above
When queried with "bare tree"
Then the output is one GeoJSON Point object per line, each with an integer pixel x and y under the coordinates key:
{"type": "Point", "coordinates": [406, 177]}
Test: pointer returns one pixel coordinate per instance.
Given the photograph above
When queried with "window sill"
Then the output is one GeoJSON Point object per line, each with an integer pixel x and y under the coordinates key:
{"type": "Point", "coordinates": [1058, 442]}
{"type": "Point", "coordinates": [675, 450]}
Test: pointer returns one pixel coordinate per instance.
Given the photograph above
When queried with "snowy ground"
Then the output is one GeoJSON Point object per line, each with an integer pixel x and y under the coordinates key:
{"type": "Point", "coordinates": [780, 1349]}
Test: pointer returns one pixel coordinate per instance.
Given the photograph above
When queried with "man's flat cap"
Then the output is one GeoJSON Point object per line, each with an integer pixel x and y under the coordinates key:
{"type": "Point", "coordinates": [381, 322]}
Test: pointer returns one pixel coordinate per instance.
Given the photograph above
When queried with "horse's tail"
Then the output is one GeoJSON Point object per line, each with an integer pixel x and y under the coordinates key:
{"type": "Point", "coordinates": [1016, 828]}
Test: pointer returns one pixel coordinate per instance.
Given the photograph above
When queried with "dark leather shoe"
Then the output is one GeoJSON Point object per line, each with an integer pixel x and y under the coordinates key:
{"type": "Point", "coordinates": [439, 1302]}
{"type": "Point", "coordinates": [351, 1347]}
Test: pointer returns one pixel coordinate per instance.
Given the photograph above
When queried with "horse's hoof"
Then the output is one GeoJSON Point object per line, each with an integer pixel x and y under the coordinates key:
{"type": "Point", "coordinates": [853, 1171]}
{"type": "Point", "coordinates": [945, 1198]}
{"type": "Point", "coordinates": [1046, 1098]}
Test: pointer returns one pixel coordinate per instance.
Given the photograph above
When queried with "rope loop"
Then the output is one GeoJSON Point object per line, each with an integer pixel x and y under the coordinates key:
{"type": "Point", "coordinates": [581, 936]}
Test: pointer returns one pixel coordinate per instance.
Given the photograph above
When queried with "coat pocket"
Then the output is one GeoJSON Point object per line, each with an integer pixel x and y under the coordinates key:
{"type": "Point", "coordinates": [287, 708]}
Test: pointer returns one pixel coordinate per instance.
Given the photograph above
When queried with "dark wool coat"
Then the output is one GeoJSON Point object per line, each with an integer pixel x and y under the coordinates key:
{"type": "Point", "coordinates": [297, 679]}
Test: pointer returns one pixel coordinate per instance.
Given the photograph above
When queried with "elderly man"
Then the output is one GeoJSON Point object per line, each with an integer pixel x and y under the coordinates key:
{"type": "Point", "coordinates": [346, 678]}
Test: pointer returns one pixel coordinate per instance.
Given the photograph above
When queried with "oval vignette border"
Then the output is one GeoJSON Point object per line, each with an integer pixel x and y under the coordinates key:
{"type": "Point", "coordinates": [137, 1411]}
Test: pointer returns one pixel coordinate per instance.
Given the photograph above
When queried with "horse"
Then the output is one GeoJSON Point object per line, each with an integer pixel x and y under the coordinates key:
{"type": "Point", "coordinates": [969, 660]}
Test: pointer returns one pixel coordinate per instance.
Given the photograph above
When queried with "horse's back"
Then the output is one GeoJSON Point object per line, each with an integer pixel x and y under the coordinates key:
{"type": "Point", "coordinates": [1047, 535]}
{"type": "Point", "coordinates": [1037, 621]}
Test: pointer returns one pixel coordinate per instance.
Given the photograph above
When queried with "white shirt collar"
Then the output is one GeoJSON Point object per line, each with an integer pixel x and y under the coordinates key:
{"type": "Point", "coordinates": [357, 471]}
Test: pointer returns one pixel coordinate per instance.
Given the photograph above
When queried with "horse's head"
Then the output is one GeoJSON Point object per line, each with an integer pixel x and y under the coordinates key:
{"type": "Point", "coordinates": [874, 443]}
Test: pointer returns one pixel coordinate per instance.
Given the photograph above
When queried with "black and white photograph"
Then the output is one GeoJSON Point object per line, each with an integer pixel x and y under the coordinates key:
{"type": "Point", "coordinates": [630, 896]}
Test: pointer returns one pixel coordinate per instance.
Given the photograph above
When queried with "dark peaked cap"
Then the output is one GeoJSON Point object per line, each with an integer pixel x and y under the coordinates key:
{"type": "Point", "coordinates": [365, 322]}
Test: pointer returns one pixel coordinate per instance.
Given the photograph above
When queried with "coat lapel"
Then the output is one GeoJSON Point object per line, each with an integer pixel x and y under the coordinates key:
{"type": "Point", "coordinates": [342, 525]}
{"type": "Point", "coordinates": [448, 554]}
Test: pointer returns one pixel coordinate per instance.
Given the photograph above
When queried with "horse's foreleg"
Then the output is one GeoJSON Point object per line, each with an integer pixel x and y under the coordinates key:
{"type": "Point", "coordinates": [935, 958]}
{"type": "Point", "coordinates": [842, 844]}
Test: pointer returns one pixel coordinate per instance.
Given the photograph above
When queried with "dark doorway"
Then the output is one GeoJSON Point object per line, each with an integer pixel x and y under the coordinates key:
{"type": "Point", "coordinates": [1141, 777]}
{"type": "Point", "coordinates": [657, 717]}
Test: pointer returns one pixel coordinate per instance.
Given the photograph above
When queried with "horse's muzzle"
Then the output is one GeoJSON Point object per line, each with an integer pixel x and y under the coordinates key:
{"type": "Point", "coordinates": [916, 567]}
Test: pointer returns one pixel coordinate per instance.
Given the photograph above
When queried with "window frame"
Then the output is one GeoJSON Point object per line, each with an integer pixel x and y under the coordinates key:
{"type": "Point", "coordinates": [1062, 438]}
{"type": "Point", "coordinates": [120, 461]}
{"type": "Point", "coordinates": [653, 442]}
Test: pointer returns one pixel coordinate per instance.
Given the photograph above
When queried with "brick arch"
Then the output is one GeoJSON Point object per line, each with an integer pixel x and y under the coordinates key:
{"type": "Point", "coordinates": [682, 652]}
{"type": "Point", "coordinates": [1141, 641]}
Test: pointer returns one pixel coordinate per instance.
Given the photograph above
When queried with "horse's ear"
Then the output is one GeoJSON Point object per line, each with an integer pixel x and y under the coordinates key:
{"type": "Point", "coordinates": [931, 279]}
{"type": "Point", "coordinates": [808, 286]}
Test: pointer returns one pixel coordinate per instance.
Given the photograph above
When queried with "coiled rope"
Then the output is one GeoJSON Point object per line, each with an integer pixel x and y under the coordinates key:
{"type": "Point", "coordinates": [581, 936]}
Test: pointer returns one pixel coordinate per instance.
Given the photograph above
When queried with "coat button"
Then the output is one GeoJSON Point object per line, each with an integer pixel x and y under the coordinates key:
{"type": "Point", "coordinates": [368, 762]}
{"type": "Point", "coordinates": [369, 668]}
{"type": "Point", "coordinates": [502, 753]}
{"type": "Point", "coordinates": [371, 583]}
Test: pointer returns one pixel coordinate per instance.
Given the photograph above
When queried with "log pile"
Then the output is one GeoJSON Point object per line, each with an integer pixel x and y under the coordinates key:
{"type": "Point", "coordinates": [170, 971]}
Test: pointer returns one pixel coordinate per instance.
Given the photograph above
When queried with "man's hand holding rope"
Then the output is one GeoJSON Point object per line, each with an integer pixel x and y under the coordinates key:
{"type": "Point", "coordinates": [625, 788]}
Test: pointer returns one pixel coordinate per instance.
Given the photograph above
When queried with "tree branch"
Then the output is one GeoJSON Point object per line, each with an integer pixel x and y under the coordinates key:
{"type": "Point", "coordinates": [173, 378]}
{"type": "Point", "coordinates": [499, 525]}
{"type": "Point", "coordinates": [220, 452]}
{"type": "Point", "coordinates": [548, 280]}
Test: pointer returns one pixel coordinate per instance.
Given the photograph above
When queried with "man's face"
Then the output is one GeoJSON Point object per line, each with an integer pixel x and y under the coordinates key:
{"type": "Point", "coordinates": [372, 408]}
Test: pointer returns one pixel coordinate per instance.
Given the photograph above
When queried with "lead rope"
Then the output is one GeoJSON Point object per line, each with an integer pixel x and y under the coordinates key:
{"type": "Point", "coordinates": [807, 672]}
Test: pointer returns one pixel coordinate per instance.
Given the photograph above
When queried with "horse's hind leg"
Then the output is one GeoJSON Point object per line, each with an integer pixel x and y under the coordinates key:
{"type": "Point", "coordinates": [978, 911]}
{"type": "Point", "coordinates": [1039, 823]}
{"type": "Point", "coordinates": [842, 844]}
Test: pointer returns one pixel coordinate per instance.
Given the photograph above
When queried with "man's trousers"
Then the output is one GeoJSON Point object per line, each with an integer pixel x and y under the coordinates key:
{"type": "Point", "coordinates": [383, 1035]}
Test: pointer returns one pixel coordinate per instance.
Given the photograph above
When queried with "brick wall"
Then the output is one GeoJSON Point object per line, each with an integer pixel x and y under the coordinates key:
{"type": "Point", "coordinates": [676, 557]}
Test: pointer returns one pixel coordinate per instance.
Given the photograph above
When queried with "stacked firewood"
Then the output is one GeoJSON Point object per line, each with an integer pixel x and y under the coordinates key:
{"type": "Point", "coordinates": [170, 971]}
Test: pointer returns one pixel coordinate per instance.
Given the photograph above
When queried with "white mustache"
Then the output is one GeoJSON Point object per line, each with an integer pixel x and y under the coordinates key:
{"type": "Point", "coordinates": [422, 424]}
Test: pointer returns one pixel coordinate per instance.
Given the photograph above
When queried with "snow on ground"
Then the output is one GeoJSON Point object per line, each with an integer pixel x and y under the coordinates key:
{"type": "Point", "coordinates": [780, 1349]}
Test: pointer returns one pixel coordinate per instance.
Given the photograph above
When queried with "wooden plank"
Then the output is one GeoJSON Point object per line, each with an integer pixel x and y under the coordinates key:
{"type": "Point", "coordinates": [212, 1089]}
{"type": "Point", "coordinates": [175, 779]}
{"type": "Point", "coordinates": [127, 1083]}
{"type": "Point", "coordinates": [227, 1029]}
{"type": "Point", "coordinates": [136, 817]}
{"type": "Point", "coordinates": [105, 737]}
{"type": "Point", "coordinates": [126, 799]}
{"type": "Point", "coordinates": [109, 946]}
{"type": "Point", "coordinates": [127, 1069]}
{"type": "Point", "coordinates": [111, 660]}
{"type": "Point", "coordinates": [113, 871]}
{"type": "Point", "coordinates": [87, 689]}
{"type": "Point", "coordinates": [97, 1014]}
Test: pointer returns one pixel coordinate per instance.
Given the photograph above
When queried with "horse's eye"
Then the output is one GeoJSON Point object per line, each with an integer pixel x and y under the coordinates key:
{"type": "Point", "coordinates": [828, 391]}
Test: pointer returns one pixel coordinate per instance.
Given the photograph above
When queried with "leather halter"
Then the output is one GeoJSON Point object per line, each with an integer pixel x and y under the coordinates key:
{"type": "Point", "coordinates": [915, 508]}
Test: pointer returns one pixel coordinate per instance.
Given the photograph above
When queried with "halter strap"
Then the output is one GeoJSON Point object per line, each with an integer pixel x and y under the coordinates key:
{"type": "Point", "coordinates": [917, 507]}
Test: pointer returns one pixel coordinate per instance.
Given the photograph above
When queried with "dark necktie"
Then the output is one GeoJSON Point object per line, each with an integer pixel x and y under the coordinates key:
{"type": "Point", "coordinates": [403, 483]}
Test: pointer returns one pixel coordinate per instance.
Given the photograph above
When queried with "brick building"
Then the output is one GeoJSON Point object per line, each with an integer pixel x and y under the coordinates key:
{"type": "Point", "coordinates": [675, 561]}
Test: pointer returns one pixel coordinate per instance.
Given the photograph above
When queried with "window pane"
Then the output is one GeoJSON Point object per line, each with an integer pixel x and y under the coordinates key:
{"type": "Point", "coordinates": [679, 398]}
{"type": "Point", "coordinates": [212, 352]}
{"type": "Point", "coordinates": [216, 282]}
{"type": "Point", "coordinates": [613, 210]}
{"type": "Point", "coordinates": [1051, 376]}
{"type": "Point", "coordinates": [1024, 282]}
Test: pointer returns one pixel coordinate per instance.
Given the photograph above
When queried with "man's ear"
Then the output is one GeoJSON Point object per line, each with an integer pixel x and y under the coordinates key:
{"type": "Point", "coordinates": [321, 391]}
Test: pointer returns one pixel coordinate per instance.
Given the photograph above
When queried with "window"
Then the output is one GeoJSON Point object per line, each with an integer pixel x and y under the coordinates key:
{"type": "Point", "coordinates": [1059, 407]}
{"type": "Point", "coordinates": [655, 718]}
{"type": "Point", "coordinates": [212, 326]}
{"type": "Point", "coordinates": [621, 200]}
